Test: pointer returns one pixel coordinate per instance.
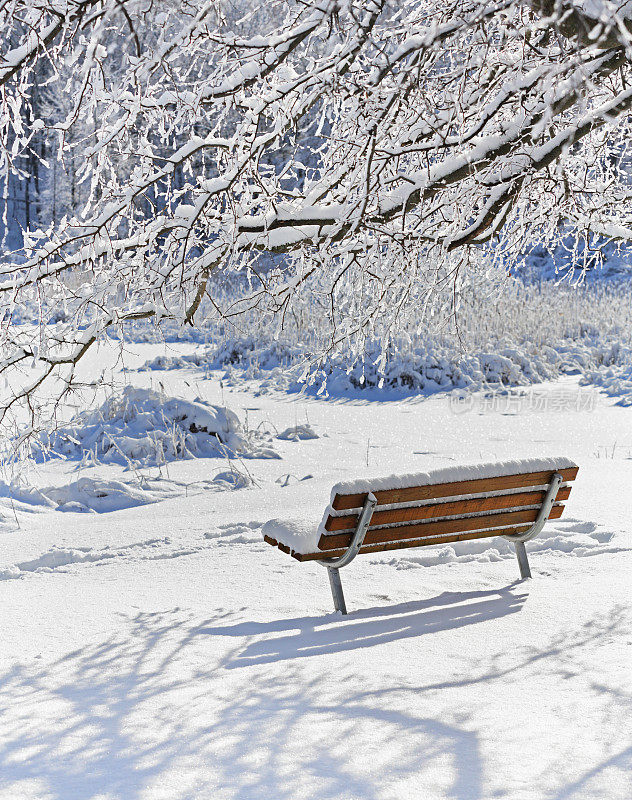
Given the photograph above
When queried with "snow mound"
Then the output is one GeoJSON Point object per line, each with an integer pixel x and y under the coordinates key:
{"type": "Point", "coordinates": [102, 496]}
{"type": "Point", "coordinates": [85, 495]}
{"type": "Point", "coordinates": [172, 362]}
{"type": "Point", "coordinates": [230, 479]}
{"type": "Point", "coordinates": [298, 433]}
{"type": "Point", "coordinates": [142, 427]}
{"type": "Point", "coordinates": [615, 381]}
{"type": "Point", "coordinates": [23, 497]}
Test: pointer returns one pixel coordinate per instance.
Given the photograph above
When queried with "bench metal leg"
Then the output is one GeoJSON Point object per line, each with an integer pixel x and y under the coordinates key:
{"type": "Point", "coordinates": [334, 564]}
{"type": "Point", "coordinates": [336, 589]}
{"type": "Point", "coordinates": [523, 561]}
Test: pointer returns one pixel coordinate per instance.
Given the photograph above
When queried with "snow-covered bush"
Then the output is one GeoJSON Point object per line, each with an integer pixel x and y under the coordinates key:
{"type": "Point", "coordinates": [616, 381]}
{"type": "Point", "coordinates": [509, 334]}
{"type": "Point", "coordinates": [434, 365]}
{"type": "Point", "coordinates": [144, 427]}
{"type": "Point", "coordinates": [170, 362]}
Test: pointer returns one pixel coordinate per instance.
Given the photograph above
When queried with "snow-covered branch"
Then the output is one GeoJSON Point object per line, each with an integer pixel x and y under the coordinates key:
{"type": "Point", "coordinates": [320, 133]}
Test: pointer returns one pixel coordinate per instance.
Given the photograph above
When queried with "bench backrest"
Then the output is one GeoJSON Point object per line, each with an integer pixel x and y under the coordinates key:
{"type": "Point", "coordinates": [441, 513]}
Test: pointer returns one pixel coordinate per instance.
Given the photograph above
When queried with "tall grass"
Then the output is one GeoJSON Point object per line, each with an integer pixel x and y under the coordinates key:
{"type": "Point", "coordinates": [481, 315]}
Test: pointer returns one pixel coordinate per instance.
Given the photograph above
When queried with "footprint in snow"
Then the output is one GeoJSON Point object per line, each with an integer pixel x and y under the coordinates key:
{"type": "Point", "coordinates": [237, 533]}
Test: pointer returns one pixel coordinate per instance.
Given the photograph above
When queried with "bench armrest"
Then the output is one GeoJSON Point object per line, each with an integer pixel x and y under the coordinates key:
{"type": "Point", "coordinates": [358, 536]}
{"type": "Point", "coordinates": [545, 509]}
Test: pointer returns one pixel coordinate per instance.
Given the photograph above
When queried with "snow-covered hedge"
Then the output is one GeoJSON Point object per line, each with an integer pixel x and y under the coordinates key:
{"type": "Point", "coordinates": [144, 427]}
{"type": "Point", "coordinates": [428, 367]}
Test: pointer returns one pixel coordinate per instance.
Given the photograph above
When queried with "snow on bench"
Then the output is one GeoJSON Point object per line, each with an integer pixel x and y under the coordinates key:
{"type": "Point", "coordinates": [512, 499]}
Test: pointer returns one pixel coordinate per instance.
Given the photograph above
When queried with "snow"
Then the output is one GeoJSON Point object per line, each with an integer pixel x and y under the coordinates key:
{"type": "Point", "coordinates": [430, 366]}
{"type": "Point", "coordinates": [607, 12]}
{"type": "Point", "coordinates": [616, 381]}
{"type": "Point", "coordinates": [464, 472]}
{"type": "Point", "coordinates": [297, 433]}
{"type": "Point", "coordinates": [82, 495]}
{"type": "Point", "coordinates": [12, 58]}
{"type": "Point", "coordinates": [104, 495]}
{"type": "Point", "coordinates": [165, 650]}
{"type": "Point", "coordinates": [299, 534]}
{"type": "Point", "coordinates": [143, 426]}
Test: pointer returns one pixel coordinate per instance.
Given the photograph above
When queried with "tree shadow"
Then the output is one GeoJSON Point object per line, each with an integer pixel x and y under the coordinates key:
{"type": "Point", "coordinates": [123, 715]}
{"type": "Point", "coordinates": [157, 709]}
{"type": "Point", "coordinates": [621, 761]}
{"type": "Point", "coordinates": [618, 705]}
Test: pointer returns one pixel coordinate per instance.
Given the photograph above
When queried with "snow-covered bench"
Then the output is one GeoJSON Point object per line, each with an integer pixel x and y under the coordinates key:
{"type": "Point", "coordinates": [512, 499]}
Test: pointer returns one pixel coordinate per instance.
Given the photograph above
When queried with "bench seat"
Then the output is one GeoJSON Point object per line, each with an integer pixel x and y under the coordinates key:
{"type": "Point", "coordinates": [512, 499]}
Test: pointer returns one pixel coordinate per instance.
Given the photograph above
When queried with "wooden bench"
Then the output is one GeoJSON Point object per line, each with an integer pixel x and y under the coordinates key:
{"type": "Point", "coordinates": [511, 499]}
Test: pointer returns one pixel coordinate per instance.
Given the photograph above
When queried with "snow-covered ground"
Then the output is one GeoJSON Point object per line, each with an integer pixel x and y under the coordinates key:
{"type": "Point", "coordinates": [163, 650]}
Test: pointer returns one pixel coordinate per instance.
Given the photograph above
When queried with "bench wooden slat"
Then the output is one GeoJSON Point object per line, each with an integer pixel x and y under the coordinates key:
{"type": "Point", "coordinates": [451, 508]}
{"type": "Point", "coordinates": [402, 545]}
{"type": "Point", "coordinates": [336, 541]}
{"type": "Point", "coordinates": [412, 494]}
{"type": "Point", "coordinates": [498, 506]}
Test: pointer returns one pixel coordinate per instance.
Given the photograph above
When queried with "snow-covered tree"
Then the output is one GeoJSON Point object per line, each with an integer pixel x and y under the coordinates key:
{"type": "Point", "coordinates": [354, 137]}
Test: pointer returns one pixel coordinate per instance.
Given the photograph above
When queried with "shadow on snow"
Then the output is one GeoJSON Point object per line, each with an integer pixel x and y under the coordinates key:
{"type": "Point", "coordinates": [310, 636]}
{"type": "Point", "coordinates": [159, 705]}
